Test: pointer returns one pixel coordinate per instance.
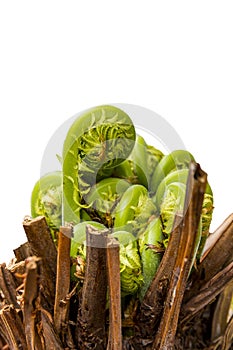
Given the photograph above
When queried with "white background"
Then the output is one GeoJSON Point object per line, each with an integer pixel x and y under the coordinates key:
{"type": "Point", "coordinates": [60, 57]}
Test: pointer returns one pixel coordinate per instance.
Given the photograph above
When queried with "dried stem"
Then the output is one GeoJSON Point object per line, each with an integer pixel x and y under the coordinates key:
{"type": "Point", "coordinates": [214, 237]}
{"type": "Point", "coordinates": [61, 307]}
{"type": "Point", "coordinates": [218, 256]}
{"type": "Point", "coordinates": [23, 252]}
{"type": "Point", "coordinates": [221, 312]}
{"type": "Point", "coordinates": [39, 328]}
{"type": "Point", "coordinates": [196, 184]}
{"type": "Point", "coordinates": [91, 316]}
{"type": "Point", "coordinates": [207, 293]}
{"type": "Point", "coordinates": [8, 286]}
{"type": "Point", "coordinates": [228, 336]}
{"type": "Point", "coordinates": [42, 246]}
{"type": "Point", "coordinates": [17, 269]}
{"type": "Point", "coordinates": [50, 336]}
{"type": "Point", "coordinates": [11, 328]}
{"type": "Point", "coordinates": [30, 302]}
{"type": "Point", "coordinates": [113, 269]}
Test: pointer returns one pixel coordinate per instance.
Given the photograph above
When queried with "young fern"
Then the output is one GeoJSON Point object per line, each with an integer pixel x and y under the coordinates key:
{"type": "Point", "coordinates": [130, 263]}
{"type": "Point", "coordinates": [169, 199]}
{"type": "Point", "coordinates": [103, 198]}
{"type": "Point", "coordinates": [134, 210]}
{"type": "Point", "coordinates": [176, 160]}
{"type": "Point", "coordinates": [46, 200]}
{"type": "Point", "coordinates": [141, 164]}
{"type": "Point", "coordinates": [150, 242]}
{"type": "Point", "coordinates": [112, 179]}
{"type": "Point", "coordinates": [97, 141]}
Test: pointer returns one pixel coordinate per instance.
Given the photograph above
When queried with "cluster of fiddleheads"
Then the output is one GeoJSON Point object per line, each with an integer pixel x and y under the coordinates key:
{"type": "Point", "coordinates": [111, 178]}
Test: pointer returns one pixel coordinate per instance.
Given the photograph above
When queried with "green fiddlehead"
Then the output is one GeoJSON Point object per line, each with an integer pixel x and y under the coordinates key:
{"type": "Point", "coordinates": [46, 200]}
{"type": "Point", "coordinates": [172, 202]}
{"type": "Point", "coordinates": [103, 198]}
{"type": "Point", "coordinates": [98, 140]}
{"type": "Point", "coordinates": [130, 263]}
{"type": "Point", "coordinates": [140, 165]}
{"type": "Point", "coordinates": [206, 218]}
{"type": "Point", "coordinates": [150, 243]}
{"type": "Point", "coordinates": [169, 199]}
{"type": "Point", "coordinates": [179, 159]}
{"type": "Point", "coordinates": [138, 159]}
{"type": "Point", "coordinates": [134, 211]}
{"type": "Point", "coordinates": [154, 157]}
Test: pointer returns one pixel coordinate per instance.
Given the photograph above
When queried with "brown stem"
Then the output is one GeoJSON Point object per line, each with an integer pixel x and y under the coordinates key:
{"type": "Point", "coordinates": [221, 312]}
{"type": "Point", "coordinates": [30, 302]}
{"type": "Point", "coordinates": [196, 184]}
{"type": "Point", "coordinates": [218, 255]}
{"type": "Point", "coordinates": [228, 336]}
{"type": "Point", "coordinates": [207, 293]}
{"type": "Point", "coordinates": [17, 269]}
{"type": "Point", "coordinates": [3, 345]}
{"type": "Point", "coordinates": [214, 237]}
{"type": "Point", "coordinates": [11, 328]}
{"type": "Point", "coordinates": [42, 246]}
{"type": "Point", "coordinates": [23, 252]}
{"type": "Point", "coordinates": [113, 268]}
{"type": "Point", "coordinates": [8, 286]}
{"type": "Point", "coordinates": [91, 316]}
{"type": "Point", "coordinates": [39, 327]}
{"type": "Point", "coordinates": [61, 307]}
{"type": "Point", "coordinates": [50, 337]}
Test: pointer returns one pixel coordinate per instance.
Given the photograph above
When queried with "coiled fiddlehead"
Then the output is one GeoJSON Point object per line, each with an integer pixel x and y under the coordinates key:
{"type": "Point", "coordinates": [130, 263]}
{"type": "Point", "coordinates": [134, 211]}
{"type": "Point", "coordinates": [98, 140]}
{"type": "Point", "coordinates": [150, 242]}
{"type": "Point", "coordinates": [46, 200]}
{"type": "Point", "coordinates": [154, 157]}
{"type": "Point", "coordinates": [140, 165]}
{"type": "Point", "coordinates": [176, 160]}
{"type": "Point", "coordinates": [169, 199]}
{"type": "Point", "coordinates": [103, 198]}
